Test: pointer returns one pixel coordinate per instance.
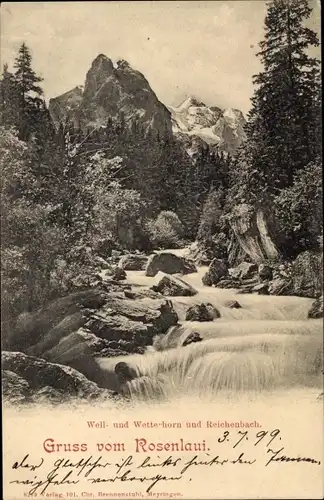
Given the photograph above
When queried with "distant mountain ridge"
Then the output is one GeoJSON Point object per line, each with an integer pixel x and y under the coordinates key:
{"type": "Point", "coordinates": [120, 92]}
{"type": "Point", "coordinates": [208, 124]}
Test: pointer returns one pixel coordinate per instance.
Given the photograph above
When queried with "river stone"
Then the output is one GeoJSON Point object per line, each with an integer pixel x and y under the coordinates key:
{"type": "Point", "coordinates": [177, 336]}
{"type": "Point", "coordinates": [133, 262]}
{"type": "Point", "coordinates": [174, 287]}
{"type": "Point", "coordinates": [280, 286]}
{"type": "Point", "coordinates": [192, 338]}
{"type": "Point", "coordinates": [202, 312]}
{"type": "Point", "coordinates": [141, 294]}
{"type": "Point", "coordinates": [232, 304]}
{"type": "Point", "coordinates": [118, 274]}
{"type": "Point", "coordinates": [316, 310]}
{"type": "Point", "coordinates": [134, 322]}
{"type": "Point", "coordinates": [75, 345]}
{"type": "Point", "coordinates": [261, 289]}
{"type": "Point", "coordinates": [31, 328]}
{"type": "Point", "coordinates": [14, 388]}
{"type": "Point", "coordinates": [64, 328]}
{"type": "Point", "coordinates": [244, 270]}
{"type": "Point", "coordinates": [265, 272]}
{"type": "Point", "coordinates": [169, 264]}
{"type": "Point", "coordinates": [124, 372]}
{"type": "Point", "coordinates": [228, 283]}
{"type": "Point", "coordinates": [40, 373]}
{"type": "Point", "coordinates": [216, 271]}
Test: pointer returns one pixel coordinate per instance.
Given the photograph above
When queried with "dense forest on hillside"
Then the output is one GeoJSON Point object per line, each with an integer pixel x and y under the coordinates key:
{"type": "Point", "coordinates": [70, 194]}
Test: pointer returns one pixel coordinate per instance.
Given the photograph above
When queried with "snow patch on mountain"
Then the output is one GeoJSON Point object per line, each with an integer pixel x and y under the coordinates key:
{"type": "Point", "coordinates": [223, 128]}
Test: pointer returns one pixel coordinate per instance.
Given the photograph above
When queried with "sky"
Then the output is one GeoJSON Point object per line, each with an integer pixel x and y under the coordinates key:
{"type": "Point", "coordinates": [201, 48]}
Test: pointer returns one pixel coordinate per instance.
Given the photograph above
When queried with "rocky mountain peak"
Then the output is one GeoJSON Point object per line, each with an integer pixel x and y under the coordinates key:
{"type": "Point", "coordinates": [110, 91]}
{"type": "Point", "coordinates": [114, 90]}
{"type": "Point", "coordinates": [102, 63]}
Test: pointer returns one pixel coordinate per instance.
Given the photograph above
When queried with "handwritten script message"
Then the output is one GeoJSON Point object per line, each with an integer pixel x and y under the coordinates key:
{"type": "Point", "coordinates": [50, 471]}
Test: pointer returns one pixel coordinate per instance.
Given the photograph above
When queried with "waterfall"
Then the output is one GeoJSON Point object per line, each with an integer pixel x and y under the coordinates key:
{"type": "Point", "coordinates": [235, 364]}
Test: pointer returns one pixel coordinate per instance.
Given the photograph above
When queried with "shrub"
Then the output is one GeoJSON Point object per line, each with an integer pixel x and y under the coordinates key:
{"type": "Point", "coordinates": [166, 231]}
{"type": "Point", "coordinates": [212, 235]}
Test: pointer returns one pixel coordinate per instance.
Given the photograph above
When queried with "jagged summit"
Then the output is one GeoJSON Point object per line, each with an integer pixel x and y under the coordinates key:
{"type": "Point", "coordinates": [122, 63]}
{"type": "Point", "coordinates": [103, 63]}
{"type": "Point", "coordinates": [191, 101]}
{"type": "Point", "coordinates": [110, 91]}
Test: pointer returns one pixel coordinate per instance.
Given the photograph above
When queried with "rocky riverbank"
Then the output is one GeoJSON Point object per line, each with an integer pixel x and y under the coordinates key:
{"type": "Point", "coordinates": [51, 355]}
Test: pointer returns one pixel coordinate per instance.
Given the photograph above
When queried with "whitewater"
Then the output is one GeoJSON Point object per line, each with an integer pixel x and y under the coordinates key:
{"type": "Point", "coordinates": [267, 346]}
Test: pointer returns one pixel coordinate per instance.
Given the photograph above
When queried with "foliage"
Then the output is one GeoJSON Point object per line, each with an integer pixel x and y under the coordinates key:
{"type": "Point", "coordinates": [29, 244]}
{"type": "Point", "coordinates": [212, 231]}
{"type": "Point", "coordinates": [166, 231]}
{"type": "Point", "coordinates": [299, 211]}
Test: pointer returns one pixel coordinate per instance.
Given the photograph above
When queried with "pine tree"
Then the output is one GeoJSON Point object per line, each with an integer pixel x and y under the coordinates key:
{"type": "Point", "coordinates": [283, 124]}
{"type": "Point", "coordinates": [8, 98]}
{"type": "Point", "coordinates": [30, 95]}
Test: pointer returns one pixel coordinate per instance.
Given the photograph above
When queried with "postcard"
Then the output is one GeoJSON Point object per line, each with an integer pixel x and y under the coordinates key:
{"type": "Point", "coordinates": [161, 250]}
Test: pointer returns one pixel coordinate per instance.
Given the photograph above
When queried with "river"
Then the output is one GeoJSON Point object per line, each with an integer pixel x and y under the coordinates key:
{"type": "Point", "coordinates": [268, 345]}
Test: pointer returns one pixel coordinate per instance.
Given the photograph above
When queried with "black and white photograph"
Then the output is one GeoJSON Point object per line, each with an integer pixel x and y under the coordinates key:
{"type": "Point", "coordinates": [162, 249]}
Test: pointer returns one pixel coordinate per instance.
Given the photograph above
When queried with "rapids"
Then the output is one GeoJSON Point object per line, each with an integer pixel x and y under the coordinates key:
{"type": "Point", "coordinates": [267, 345]}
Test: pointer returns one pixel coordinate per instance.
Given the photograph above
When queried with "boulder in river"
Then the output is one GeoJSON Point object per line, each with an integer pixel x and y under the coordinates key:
{"type": "Point", "coordinates": [265, 272]}
{"type": "Point", "coordinates": [15, 389]}
{"type": "Point", "coordinates": [177, 336]}
{"type": "Point", "coordinates": [133, 262]}
{"type": "Point", "coordinates": [202, 312]}
{"type": "Point", "coordinates": [174, 287]}
{"type": "Point", "coordinates": [141, 294]}
{"type": "Point", "coordinates": [261, 289]}
{"type": "Point", "coordinates": [192, 338]}
{"type": "Point", "coordinates": [124, 372]}
{"type": "Point", "coordinates": [280, 286]}
{"type": "Point", "coordinates": [63, 329]}
{"type": "Point", "coordinates": [39, 373]}
{"type": "Point", "coordinates": [243, 271]}
{"type": "Point", "coordinates": [170, 264]}
{"type": "Point", "coordinates": [232, 304]}
{"type": "Point", "coordinates": [135, 323]}
{"type": "Point", "coordinates": [71, 310]}
{"type": "Point", "coordinates": [119, 274]}
{"type": "Point", "coordinates": [217, 270]}
{"type": "Point", "coordinates": [121, 325]}
{"type": "Point", "coordinates": [316, 310]}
